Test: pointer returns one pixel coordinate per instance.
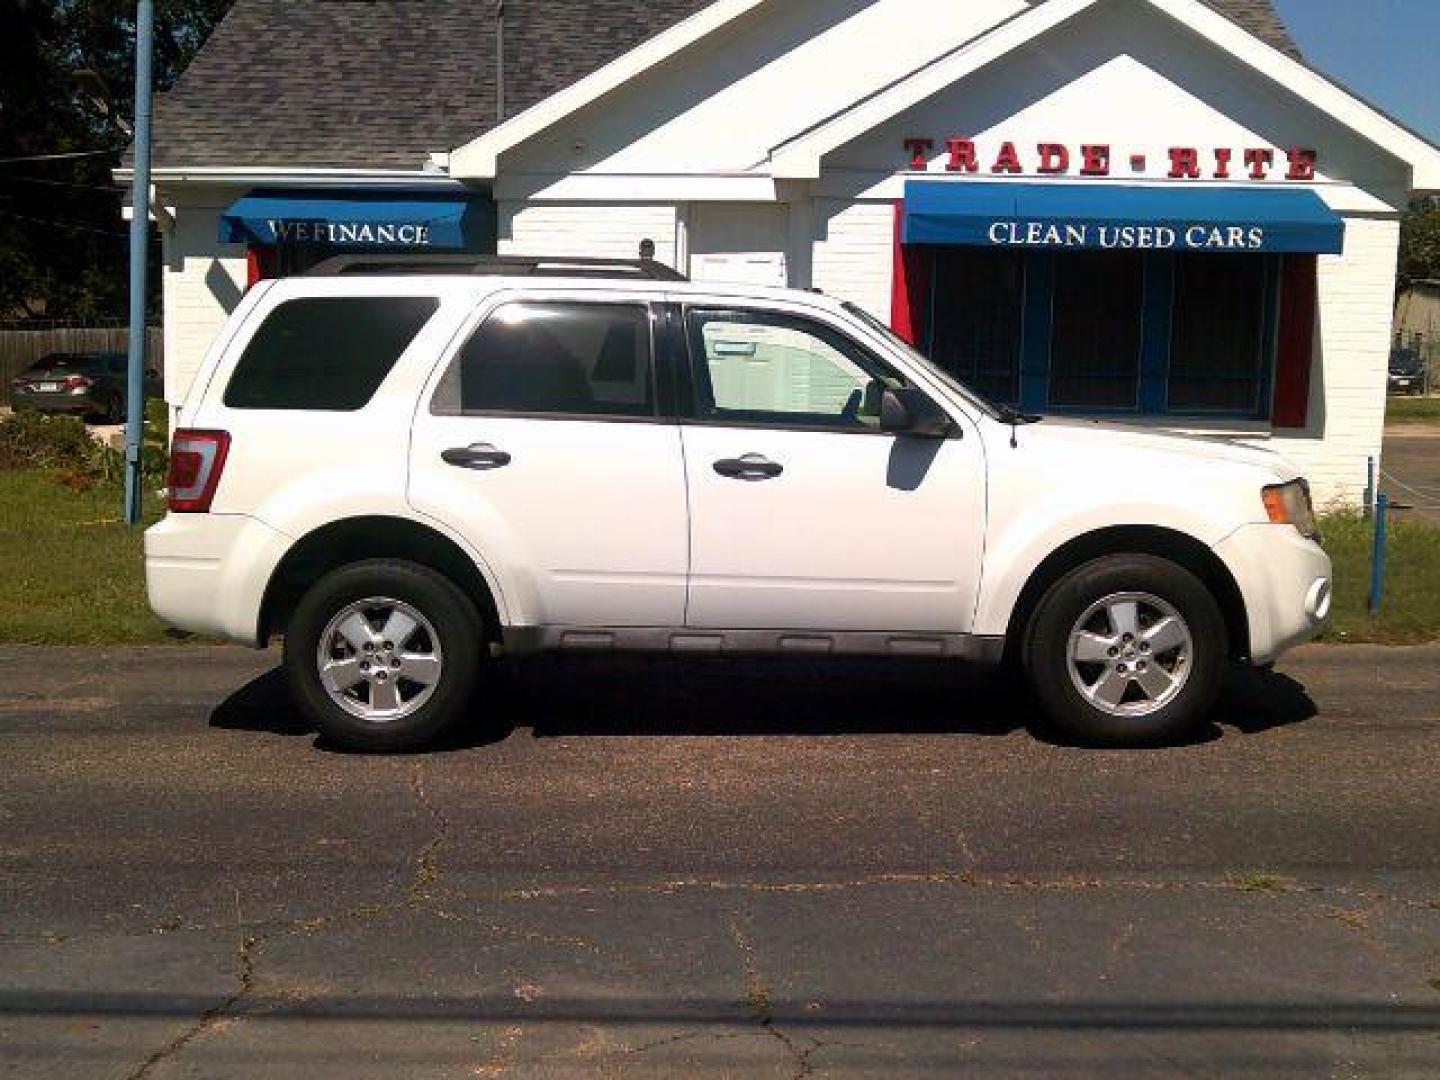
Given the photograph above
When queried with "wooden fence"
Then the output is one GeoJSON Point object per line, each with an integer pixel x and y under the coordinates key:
{"type": "Point", "coordinates": [22, 344]}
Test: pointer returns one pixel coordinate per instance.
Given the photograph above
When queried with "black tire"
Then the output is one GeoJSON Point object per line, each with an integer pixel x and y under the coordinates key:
{"type": "Point", "coordinates": [1046, 653]}
{"type": "Point", "coordinates": [457, 624]}
{"type": "Point", "coordinates": [104, 414]}
{"type": "Point", "coordinates": [115, 409]}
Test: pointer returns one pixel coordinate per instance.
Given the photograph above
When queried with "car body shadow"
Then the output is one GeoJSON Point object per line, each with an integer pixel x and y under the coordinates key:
{"type": "Point", "coordinates": [655, 697]}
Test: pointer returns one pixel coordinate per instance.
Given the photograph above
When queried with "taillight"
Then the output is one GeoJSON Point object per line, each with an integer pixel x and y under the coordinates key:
{"type": "Point", "coordinates": [196, 460]}
{"type": "Point", "coordinates": [77, 382]}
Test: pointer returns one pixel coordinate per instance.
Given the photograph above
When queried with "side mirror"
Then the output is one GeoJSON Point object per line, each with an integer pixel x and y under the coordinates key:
{"type": "Point", "coordinates": [908, 411]}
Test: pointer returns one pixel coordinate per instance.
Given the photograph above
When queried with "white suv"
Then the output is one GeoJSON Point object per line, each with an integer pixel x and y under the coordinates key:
{"type": "Point", "coordinates": [407, 474]}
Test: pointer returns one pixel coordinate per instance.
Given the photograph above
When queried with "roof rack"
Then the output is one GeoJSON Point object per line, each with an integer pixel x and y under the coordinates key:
{"type": "Point", "coordinates": [495, 265]}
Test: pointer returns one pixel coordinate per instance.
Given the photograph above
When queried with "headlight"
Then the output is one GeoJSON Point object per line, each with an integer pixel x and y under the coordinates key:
{"type": "Point", "coordinates": [1289, 504]}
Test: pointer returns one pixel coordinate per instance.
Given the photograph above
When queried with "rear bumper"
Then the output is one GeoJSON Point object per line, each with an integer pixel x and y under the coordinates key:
{"type": "Point", "coordinates": [207, 573]}
{"type": "Point", "coordinates": [56, 403]}
{"type": "Point", "coordinates": [1287, 583]}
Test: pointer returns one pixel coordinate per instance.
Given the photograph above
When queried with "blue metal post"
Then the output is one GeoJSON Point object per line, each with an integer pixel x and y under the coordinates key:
{"type": "Point", "coordinates": [1369, 486]}
{"type": "Point", "coordinates": [139, 242]}
{"type": "Point", "coordinates": [1377, 560]}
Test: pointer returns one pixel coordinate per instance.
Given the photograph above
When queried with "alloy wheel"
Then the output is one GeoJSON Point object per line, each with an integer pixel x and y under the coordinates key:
{"type": "Point", "coordinates": [1130, 654]}
{"type": "Point", "coordinates": [379, 659]}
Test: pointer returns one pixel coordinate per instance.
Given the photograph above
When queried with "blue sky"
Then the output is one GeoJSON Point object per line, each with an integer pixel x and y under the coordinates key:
{"type": "Point", "coordinates": [1388, 51]}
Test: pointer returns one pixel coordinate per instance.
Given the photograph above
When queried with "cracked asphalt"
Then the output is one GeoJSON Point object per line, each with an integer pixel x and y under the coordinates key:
{"type": "Point", "coordinates": [714, 870]}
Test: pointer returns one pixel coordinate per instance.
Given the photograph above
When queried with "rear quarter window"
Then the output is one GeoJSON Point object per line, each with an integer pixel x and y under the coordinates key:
{"type": "Point", "coordinates": [326, 353]}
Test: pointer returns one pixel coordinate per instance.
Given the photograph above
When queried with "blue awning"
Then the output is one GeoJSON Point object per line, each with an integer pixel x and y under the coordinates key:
{"type": "Point", "coordinates": [371, 219]}
{"type": "Point", "coordinates": [1120, 216]}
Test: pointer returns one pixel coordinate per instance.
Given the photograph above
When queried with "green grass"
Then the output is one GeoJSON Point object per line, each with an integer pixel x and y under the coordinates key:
{"type": "Point", "coordinates": [1411, 610]}
{"type": "Point", "coordinates": [1412, 410]}
{"type": "Point", "coordinates": [1255, 881]}
{"type": "Point", "coordinates": [71, 573]}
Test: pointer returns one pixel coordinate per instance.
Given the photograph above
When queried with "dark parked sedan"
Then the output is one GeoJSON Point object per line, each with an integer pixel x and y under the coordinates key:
{"type": "Point", "coordinates": [1407, 372]}
{"type": "Point", "coordinates": [89, 384]}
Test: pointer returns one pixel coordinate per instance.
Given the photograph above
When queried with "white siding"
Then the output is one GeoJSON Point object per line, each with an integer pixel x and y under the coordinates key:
{"type": "Point", "coordinates": [1347, 383]}
{"type": "Point", "coordinates": [723, 104]}
{"type": "Point", "coordinates": [854, 254]}
{"type": "Point", "coordinates": [202, 281]}
{"type": "Point", "coordinates": [740, 243]}
{"type": "Point", "coordinates": [592, 230]}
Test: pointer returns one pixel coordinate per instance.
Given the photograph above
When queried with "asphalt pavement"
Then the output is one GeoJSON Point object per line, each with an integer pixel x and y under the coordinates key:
{"type": "Point", "coordinates": [1412, 469]}
{"type": "Point", "coordinates": [715, 870]}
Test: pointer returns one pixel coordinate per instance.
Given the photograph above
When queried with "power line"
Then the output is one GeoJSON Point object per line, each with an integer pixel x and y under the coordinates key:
{"type": "Point", "coordinates": [57, 157]}
{"type": "Point", "coordinates": [64, 224]}
{"type": "Point", "coordinates": [110, 189]}
{"type": "Point", "coordinates": [1421, 492]}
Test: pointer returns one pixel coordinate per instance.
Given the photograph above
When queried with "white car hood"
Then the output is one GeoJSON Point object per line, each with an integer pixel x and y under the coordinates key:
{"type": "Point", "coordinates": [1099, 435]}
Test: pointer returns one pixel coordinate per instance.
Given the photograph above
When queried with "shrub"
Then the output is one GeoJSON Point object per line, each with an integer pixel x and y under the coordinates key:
{"type": "Point", "coordinates": [32, 440]}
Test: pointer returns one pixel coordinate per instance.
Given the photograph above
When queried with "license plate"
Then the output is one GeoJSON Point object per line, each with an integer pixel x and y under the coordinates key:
{"type": "Point", "coordinates": [47, 387]}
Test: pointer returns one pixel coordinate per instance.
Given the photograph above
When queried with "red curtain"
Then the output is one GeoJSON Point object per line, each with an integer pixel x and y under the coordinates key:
{"type": "Point", "coordinates": [1299, 295]}
{"type": "Point", "coordinates": [260, 263]}
{"type": "Point", "coordinates": [910, 290]}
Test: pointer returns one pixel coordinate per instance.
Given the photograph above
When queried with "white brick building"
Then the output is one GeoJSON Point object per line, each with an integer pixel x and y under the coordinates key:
{"type": "Point", "coordinates": [1144, 210]}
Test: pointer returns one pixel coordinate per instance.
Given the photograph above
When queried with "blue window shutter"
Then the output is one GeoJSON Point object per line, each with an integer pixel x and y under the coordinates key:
{"type": "Point", "coordinates": [1271, 345]}
{"type": "Point", "coordinates": [1158, 322]}
{"type": "Point", "coordinates": [1037, 331]}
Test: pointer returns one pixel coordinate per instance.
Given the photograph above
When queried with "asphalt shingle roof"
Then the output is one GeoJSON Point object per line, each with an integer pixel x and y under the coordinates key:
{"type": "Point", "coordinates": [383, 83]}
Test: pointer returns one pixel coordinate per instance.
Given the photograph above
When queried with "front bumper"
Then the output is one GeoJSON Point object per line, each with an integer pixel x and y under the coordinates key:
{"type": "Point", "coordinates": [207, 573]}
{"type": "Point", "coordinates": [1287, 583]}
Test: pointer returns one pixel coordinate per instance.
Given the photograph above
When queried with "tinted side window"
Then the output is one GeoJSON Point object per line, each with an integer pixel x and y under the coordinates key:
{"type": "Point", "coordinates": [556, 358]}
{"type": "Point", "coordinates": [328, 353]}
{"type": "Point", "coordinates": [775, 369]}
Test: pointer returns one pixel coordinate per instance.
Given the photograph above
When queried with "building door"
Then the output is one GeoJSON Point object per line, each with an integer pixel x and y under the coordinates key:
{"type": "Point", "coordinates": [739, 243]}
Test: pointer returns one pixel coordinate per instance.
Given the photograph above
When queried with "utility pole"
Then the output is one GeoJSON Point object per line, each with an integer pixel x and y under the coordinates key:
{"type": "Point", "coordinates": [139, 242]}
{"type": "Point", "coordinates": [499, 61]}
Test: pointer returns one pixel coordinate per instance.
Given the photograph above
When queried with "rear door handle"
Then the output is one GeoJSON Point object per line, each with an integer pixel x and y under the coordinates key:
{"type": "Point", "coordinates": [750, 467]}
{"type": "Point", "coordinates": [479, 456]}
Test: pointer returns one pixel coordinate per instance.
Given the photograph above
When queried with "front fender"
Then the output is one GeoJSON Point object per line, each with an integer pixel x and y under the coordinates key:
{"type": "Point", "coordinates": [1015, 553]}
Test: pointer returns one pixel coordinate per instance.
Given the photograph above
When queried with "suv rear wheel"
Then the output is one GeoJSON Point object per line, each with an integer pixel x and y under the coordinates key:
{"type": "Point", "coordinates": [383, 654]}
{"type": "Point", "coordinates": [1127, 650]}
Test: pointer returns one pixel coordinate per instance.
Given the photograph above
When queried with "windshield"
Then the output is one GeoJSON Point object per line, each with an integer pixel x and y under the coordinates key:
{"type": "Point", "coordinates": [1405, 363]}
{"type": "Point", "coordinates": [931, 368]}
{"type": "Point", "coordinates": [68, 362]}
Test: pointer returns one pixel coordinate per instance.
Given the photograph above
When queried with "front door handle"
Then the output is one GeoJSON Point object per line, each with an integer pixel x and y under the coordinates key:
{"type": "Point", "coordinates": [750, 467]}
{"type": "Point", "coordinates": [479, 456]}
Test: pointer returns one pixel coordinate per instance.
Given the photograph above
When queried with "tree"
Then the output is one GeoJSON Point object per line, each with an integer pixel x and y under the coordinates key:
{"type": "Point", "coordinates": [1420, 242]}
{"type": "Point", "coordinates": [66, 88]}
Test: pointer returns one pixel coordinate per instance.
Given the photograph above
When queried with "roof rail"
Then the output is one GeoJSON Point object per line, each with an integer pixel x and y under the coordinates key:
{"type": "Point", "coordinates": [495, 265]}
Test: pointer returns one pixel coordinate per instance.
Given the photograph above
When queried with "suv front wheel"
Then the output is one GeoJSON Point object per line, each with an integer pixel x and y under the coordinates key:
{"type": "Point", "coordinates": [383, 654]}
{"type": "Point", "coordinates": [1127, 650]}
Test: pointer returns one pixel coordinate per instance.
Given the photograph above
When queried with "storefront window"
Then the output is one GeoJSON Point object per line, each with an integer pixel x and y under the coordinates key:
{"type": "Point", "coordinates": [1098, 315]}
{"type": "Point", "coordinates": [1147, 332]}
{"type": "Point", "coordinates": [1218, 339]}
{"type": "Point", "coordinates": [975, 318]}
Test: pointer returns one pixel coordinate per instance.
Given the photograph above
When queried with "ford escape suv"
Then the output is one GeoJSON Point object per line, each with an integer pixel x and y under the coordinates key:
{"type": "Point", "coordinates": [407, 473]}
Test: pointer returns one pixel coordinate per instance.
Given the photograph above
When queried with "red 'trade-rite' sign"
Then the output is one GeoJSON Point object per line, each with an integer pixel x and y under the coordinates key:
{"type": "Point", "coordinates": [962, 157]}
